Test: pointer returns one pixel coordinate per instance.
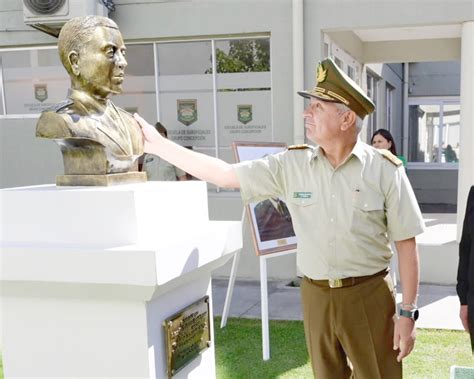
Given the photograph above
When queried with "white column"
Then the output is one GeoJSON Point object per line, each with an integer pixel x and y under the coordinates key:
{"type": "Point", "coordinates": [298, 71]}
{"type": "Point", "coordinates": [466, 151]}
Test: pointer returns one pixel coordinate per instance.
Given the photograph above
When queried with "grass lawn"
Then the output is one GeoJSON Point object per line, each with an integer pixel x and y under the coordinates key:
{"type": "Point", "coordinates": [239, 352]}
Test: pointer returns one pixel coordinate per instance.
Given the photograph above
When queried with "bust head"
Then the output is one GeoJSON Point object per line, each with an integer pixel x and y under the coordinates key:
{"type": "Point", "coordinates": [100, 142]}
{"type": "Point", "coordinates": [92, 50]}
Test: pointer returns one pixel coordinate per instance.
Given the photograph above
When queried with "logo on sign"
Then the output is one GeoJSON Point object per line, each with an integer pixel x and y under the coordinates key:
{"type": "Point", "coordinates": [187, 111]}
{"type": "Point", "coordinates": [41, 92]}
{"type": "Point", "coordinates": [244, 113]}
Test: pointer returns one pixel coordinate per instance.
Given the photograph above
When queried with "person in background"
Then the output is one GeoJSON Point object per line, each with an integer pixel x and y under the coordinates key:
{"type": "Point", "coordinates": [450, 154]}
{"type": "Point", "coordinates": [188, 175]}
{"type": "Point", "coordinates": [465, 284]}
{"type": "Point", "coordinates": [157, 168]}
{"type": "Point", "coordinates": [382, 139]}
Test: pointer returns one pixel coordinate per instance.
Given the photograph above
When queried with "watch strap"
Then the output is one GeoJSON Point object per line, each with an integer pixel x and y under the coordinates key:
{"type": "Point", "coordinates": [412, 313]}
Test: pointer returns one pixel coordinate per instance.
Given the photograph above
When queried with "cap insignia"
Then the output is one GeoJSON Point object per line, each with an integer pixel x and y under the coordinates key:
{"type": "Point", "coordinates": [321, 73]}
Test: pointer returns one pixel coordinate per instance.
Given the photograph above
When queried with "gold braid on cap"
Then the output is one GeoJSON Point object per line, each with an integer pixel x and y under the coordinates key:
{"type": "Point", "coordinates": [339, 97]}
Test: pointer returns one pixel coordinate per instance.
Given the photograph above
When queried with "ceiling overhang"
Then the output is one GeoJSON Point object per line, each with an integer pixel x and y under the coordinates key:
{"type": "Point", "coordinates": [409, 33]}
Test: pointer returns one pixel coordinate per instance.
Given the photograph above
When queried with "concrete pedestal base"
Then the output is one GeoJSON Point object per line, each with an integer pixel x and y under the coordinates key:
{"type": "Point", "coordinates": [75, 304]}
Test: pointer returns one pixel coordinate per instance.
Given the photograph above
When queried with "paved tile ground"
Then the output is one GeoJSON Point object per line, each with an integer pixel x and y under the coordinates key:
{"type": "Point", "coordinates": [439, 305]}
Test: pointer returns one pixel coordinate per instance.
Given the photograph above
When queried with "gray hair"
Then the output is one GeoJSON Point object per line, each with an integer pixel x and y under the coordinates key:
{"type": "Point", "coordinates": [359, 123]}
{"type": "Point", "coordinates": [76, 33]}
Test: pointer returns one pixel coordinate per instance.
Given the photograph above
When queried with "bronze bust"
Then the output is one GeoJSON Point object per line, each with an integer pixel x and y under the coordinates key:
{"type": "Point", "coordinates": [100, 142]}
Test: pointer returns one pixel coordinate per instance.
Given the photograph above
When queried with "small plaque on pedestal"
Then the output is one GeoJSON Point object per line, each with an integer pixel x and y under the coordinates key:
{"type": "Point", "coordinates": [187, 335]}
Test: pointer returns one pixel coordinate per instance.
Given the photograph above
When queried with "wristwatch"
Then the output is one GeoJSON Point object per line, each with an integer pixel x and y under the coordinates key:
{"type": "Point", "coordinates": [412, 313]}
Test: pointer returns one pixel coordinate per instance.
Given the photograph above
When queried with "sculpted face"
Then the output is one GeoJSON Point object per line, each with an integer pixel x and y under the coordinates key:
{"type": "Point", "coordinates": [99, 67]}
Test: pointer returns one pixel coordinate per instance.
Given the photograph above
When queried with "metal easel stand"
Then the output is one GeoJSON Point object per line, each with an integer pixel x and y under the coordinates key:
{"type": "Point", "coordinates": [233, 274]}
{"type": "Point", "coordinates": [264, 300]}
{"type": "Point", "coordinates": [263, 293]}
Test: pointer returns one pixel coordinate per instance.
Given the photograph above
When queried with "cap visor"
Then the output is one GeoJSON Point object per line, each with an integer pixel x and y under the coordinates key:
{"type": "Point", "coordinates": [304, 94]}
{"type": "Point", "coordinates": [309, 95]}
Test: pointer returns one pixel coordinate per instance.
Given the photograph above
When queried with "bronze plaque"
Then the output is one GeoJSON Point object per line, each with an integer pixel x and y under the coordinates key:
{"type": "Point", "coordinates": [187, 335]}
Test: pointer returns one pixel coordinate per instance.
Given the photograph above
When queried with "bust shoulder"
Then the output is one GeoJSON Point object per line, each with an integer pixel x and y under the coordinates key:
{"type": "Point", "coordinates": [52, 123]}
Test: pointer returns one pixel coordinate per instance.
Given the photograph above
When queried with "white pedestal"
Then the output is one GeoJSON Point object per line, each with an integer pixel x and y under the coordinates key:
{"type": "Point", "coordinates": [90, 274]}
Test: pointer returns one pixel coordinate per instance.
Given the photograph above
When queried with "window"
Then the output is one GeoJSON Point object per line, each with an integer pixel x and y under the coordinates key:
{"type": "Point", "coordinates": [243, 91]}
{"type": "Point", "coordinates": [207, 93]}
{"type": "Point", "coordinates": [351, 72]}
{"type": "Point", "coordinates": [434, 131]}
{"type": "Point", "coordinates": [339, 63]}
{"type": "Point", "coordinates": [343, 59]}
{"type": "Point", "coordinates": [186, 99]}
{"type": "Point", "coordinates": [372, 89]}
{"type": "Point", "coordinates": [33, 80]}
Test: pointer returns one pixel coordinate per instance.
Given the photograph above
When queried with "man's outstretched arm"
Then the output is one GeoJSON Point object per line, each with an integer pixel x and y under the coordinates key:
{"type": "Point", "coordinates": [201, 166]}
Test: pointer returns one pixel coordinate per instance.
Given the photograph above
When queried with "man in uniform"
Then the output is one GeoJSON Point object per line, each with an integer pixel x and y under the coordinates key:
{"type": "Point", "coordinates": [95, 136]}
{"type": "Point", "coordinates": [347, 201]}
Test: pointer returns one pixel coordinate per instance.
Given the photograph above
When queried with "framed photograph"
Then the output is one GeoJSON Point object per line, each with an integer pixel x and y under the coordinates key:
{"type": "Point", "coordinates": [270, 220]}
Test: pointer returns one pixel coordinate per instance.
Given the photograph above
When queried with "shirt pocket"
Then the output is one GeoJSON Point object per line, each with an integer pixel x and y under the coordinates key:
{"type": "Point", "coordinates": [368, 214]}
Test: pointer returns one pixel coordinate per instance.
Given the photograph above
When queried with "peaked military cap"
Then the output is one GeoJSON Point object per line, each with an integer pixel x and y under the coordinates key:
{"type": "Point", "coordinates": [332, 84]}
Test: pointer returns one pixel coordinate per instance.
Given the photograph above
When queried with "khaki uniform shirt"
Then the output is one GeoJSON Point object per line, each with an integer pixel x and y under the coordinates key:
{"type": "Point", "coordinates": [158, 169]}
{"type": "Point", "coordinates": [345, 217]}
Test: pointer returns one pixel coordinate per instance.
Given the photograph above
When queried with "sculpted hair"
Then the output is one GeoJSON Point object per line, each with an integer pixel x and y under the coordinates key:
{"type": "Point", "coordinates": [359, 123]}
{"type": "Point", "coordinates": [77, 32]}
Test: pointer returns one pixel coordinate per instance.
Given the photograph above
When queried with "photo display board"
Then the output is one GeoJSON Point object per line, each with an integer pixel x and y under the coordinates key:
{"type": "Point", "coordinates": [270, 220]}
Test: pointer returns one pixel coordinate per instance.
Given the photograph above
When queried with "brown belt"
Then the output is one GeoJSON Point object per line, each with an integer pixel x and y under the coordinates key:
{"type": "Point", "coordinates": [346, 282]}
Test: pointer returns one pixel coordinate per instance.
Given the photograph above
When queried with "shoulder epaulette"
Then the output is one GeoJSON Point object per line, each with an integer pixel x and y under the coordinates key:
{"type": "Point", "coordinates": [389, 156]}
{"type": "Point", "coordinates": [299, 147]}
{"type": "Point", "coordinates": [59, 106]}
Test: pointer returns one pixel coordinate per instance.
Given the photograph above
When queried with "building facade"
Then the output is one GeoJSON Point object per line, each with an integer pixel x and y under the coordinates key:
{"type": "Point", "coordinates": [214, 72]}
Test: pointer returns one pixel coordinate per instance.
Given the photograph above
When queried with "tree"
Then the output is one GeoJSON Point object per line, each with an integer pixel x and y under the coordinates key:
{"type": "Point", "coordinates": [245, 55]}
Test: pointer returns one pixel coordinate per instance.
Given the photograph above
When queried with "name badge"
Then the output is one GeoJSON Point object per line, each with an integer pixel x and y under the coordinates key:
{"type": "Point", "coordinates": [302, 195]}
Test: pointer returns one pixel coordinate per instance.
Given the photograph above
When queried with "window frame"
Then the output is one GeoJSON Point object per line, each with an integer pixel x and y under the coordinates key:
{"type": "Point", "coordinates": [441, 101]}
{"type": "Point", "coordinates": [4, 114]}
{"type": "Point", "coordinates": [389, 92]}
{"type": "Point", "coordinates": [372, 118]}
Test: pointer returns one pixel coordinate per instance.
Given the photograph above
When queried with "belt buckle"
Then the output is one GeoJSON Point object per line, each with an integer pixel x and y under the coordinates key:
{"type": "Point", "coordinates": [335, 283]}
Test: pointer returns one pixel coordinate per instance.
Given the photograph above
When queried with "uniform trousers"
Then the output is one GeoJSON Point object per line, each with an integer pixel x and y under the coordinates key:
{"type": "Point", "coordinates": [349, 330]}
